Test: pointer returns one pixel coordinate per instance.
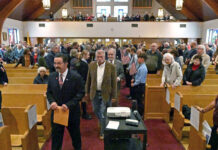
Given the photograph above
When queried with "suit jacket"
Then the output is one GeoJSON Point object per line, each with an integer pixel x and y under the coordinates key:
{"type": "Point", "coordinates": [82, 69]}
{"type": "Point", "coordinates": [50, 61]}
{"type": "Point", "coordinates": [70, 94]}
{"type": "Point", "coordinates": [109, 83]}
{"type": "Point", "coordinates": [120, 71]}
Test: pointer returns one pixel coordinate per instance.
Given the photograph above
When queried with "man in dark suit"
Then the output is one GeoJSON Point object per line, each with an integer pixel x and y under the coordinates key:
{"type": "Point", "coordinates": [119, 69]}
{"type": "Point", "coordinates": [65, 89]}
{"type": "Point", "coordinates": [101, 87]}
{"type": "Point", "coordinates": [82, 68]}
{"type": "Point", "coordinates": [50, 57]}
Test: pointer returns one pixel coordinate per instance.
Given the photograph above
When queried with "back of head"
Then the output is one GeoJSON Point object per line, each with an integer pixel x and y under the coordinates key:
{"type": "Point", "coordinates": [193, 44]}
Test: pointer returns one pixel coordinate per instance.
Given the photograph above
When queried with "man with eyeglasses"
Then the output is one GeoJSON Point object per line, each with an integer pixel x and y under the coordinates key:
{"type": "Point", "coordinates": [65, 90]}
{"type": "Point", "coordinates": [154, 60]}
{"type": "Point", "coordinates": [50, 57]}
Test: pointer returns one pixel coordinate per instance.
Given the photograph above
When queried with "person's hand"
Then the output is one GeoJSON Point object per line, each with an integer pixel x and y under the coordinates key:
{"type": "Point", "coordinates": [64, 107]}
{"type": "Point", "coordinates": [173, 86]}
{"type": "Point", "coordinates": [132, 84]}
{"type": "Point", "coordinates": [84, 99]}
{"type": "Point", "coordinates": [87, 97]}
{"type": "Point", "coordinates": [162, 84]}
{"type": "Point", "coordinates": [158, 72]}
{"type": "Point", "coordinates": [188, 83]}
{"type": "Point", "coordinates": [199, 108]}
{"type": "Point", "coordinates": [54, 106]}
{"type": "Point", "coordinates": [5, 84]}
{"type": "Point", "coordinates": [118, 79]}
{"type": "Point", "coordinates": [132, 80]}
{"type": "Point", "coordinates": [113, 100]}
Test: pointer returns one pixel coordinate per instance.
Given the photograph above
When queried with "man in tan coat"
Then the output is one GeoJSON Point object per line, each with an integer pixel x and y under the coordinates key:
{"type": "Point", "coordinates": [201, 50]}
{"type": "Point", "coordinates": [101, 87]}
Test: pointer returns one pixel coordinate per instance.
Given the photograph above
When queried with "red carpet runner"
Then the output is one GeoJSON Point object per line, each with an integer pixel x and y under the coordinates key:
{"type": "Point", "coordinates": [159, 135]}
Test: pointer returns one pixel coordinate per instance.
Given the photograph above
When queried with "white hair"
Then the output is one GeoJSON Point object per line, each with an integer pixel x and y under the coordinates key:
{"type": "Point", "coordinates": [202, 47]}
{"type": "Point", "coordinates": [112, 49]}
{"type": "Point", "coordinates": [167, 55]}
{"type": "Point", "coordinates": [41, 69]}
{"type": "Point", "coordinates": [100, 51]}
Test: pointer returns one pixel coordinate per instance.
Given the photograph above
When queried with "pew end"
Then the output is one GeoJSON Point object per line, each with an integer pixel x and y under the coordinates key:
{"type": "Point", "coordinates": [5, 140]}
{"type": "Point", "coordinates": [22, 125]}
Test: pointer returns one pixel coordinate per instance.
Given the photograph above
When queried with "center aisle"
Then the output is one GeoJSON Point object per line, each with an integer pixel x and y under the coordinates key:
{"type": "Point", "coordinates": [159, 135]}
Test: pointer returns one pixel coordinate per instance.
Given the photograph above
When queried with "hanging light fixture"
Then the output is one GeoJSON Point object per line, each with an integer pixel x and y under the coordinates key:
{"type": "Point", "coordinates": [64, 13]}
{"type": "Point", "coordinates": [46, 4]}
{"type": "Point", "coordinates": [160, 13]}
{"type": "Point", "coordinates": [179, 4]}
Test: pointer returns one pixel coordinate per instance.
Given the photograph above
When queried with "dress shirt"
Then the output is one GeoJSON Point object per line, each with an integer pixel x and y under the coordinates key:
{"type": "Point", "coordinates": [84, 60]}
{"type": "Point", "coordinates": [141, 75]}
{"type": "Point", "coordinates": [64, 75]}
{"type": "Point", "coordinates": [100, 75]}
{"type": "Point", "coordinates": [111, 62]}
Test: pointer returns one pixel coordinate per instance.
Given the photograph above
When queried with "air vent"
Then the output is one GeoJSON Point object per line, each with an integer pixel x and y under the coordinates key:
{"type": "Point", "coordinates": [41, 25]}
{"type": "Point", "coordinates": [182, 25]}
{"type": "Point", "coordinates": [89, 25]}
{"type": "Point", "coordinates": [135, 25]}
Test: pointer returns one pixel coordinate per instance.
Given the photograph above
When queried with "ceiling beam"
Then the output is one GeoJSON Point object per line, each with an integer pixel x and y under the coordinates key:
{"type": "Point", "coordinates": [6, 11]}
{"type": "Point", "coordinates": [190, 15]}
{"type": "Point", "coordinates": [35, 14]}
{"type": "Point", "coordinates": [213, 5]}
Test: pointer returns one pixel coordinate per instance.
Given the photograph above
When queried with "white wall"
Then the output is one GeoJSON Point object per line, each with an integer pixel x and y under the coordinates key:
{"type": "Point", "coordinates": [11, 23]}
{"type": "Point", "coordinates": [114, 29]}
{"type": "Point", "coordinates": [212, 24]}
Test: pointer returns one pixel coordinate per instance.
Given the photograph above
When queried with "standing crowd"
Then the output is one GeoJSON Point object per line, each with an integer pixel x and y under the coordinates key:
{"type": "Point", "coordinates": [93, 71]}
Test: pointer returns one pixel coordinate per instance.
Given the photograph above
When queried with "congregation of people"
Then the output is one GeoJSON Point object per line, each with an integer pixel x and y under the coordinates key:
{"type": "Point", "coordinates": [124, 18]}
{"type": "Point", "coordinates": [96, 72]}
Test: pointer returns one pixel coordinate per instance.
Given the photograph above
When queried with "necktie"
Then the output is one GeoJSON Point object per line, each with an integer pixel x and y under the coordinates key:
{"type": "Point", "coordinates": [61, 81]}
{"type": "Point", "coordinates": [111, 61]}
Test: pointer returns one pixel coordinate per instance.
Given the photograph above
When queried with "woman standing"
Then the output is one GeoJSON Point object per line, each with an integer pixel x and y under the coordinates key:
{"type": "Point", "coordinates": [172, 73]}
{"type": "Point", "coordinates": [214, 134]}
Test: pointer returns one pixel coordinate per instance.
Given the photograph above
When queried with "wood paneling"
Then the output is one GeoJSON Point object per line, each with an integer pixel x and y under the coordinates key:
{"type": "Point", "coordinates": [25, 9]}
{"type": "Point", "coordinates": [82, 3]}
{"type": "Point", "coordinates": [55, 6]}
{"type": "Point", "coordinates": [142, 3]}
{"type": "Point", "coordinates": [213, 4]}
{"type": "Point", "coordinates": [199, 10]}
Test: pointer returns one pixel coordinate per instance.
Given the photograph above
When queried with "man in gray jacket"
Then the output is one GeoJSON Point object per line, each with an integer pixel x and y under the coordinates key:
{"type": "Point", "coordinates": [119, 68]}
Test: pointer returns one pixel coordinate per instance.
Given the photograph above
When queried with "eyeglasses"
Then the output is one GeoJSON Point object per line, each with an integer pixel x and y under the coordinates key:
{"type": "Point", "coordinates": [58, 63]}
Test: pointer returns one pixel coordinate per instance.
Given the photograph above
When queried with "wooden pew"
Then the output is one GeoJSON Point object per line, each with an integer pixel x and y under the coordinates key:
{"type": "Point", "coordinates": [21, 71]}
{"type": "Point", "coordinates": [25, 99]}
{"type": "Point", "coordinates": [211, 76]}
{"type": "Point", "coordinates": [15, 74]}
{"type": "Point", "coordinates": [22, 126]}
{"type": "Point", "coordinates": [190, 99]}
{"type": "Point", "coordinates": [156, 106]}
{"type": "Point", "coordinates": [21, 80]}
{"type": "Point", "coordinates": [192, 89]}
{"type": "Point", "coordinates": [5, 140]}
{"type": "Point", "coordinates": [196, 139]}
{"type": "Point", "coordinates": [210, 82]}
{"type": "Point", "coordinates": [24, 88]}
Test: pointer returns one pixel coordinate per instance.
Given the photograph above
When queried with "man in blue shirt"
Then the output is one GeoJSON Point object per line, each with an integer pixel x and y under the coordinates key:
{"type": "Point", "coordinates": [138, 83]}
